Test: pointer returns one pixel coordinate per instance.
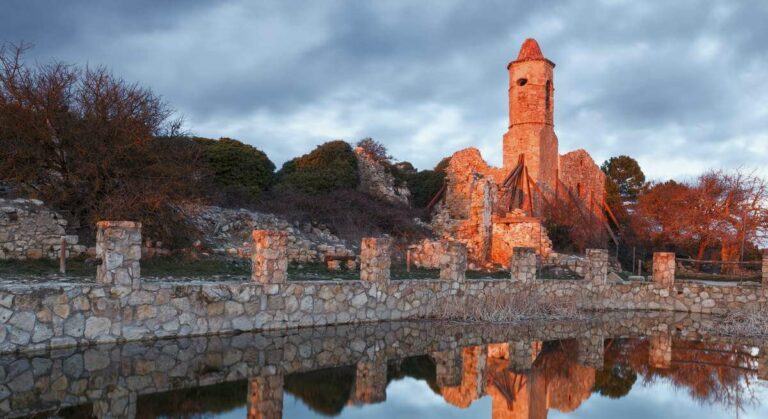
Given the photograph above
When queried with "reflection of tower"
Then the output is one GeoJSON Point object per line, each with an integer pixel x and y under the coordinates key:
{"type": "Point", "coordinates": [531, 116]}
{"type": "Point", "coordinates": [520, 385]}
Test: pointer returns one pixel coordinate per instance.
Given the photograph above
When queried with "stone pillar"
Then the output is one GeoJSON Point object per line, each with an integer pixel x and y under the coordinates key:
{"type": "Point", "coordinates": [522, 265]}
{"type": "Point", "coordinates": [521, 355]}
{"type": "Point", "coordinates": [375, 259]}
{"type": "Point", "coordinates": [269, 257]}
{"type": "Point", "coordinates": [118, 244]}
{"type": "Point", "coordinates": [448, 368]}
{"type": "Point", "coordinates": [597, 266]}
{"type": "Point", "coordinates": [765, 267]}
{"type": "Point", "coordinates": [664, 268]}
{"type": "Point", "coordinates": [453, 262]}
{"type": "Point", "coordinates": [265, 397]}
{"type": "Point", "coordinates": [118, 403]}
{"type": "Point", "coordinates": [591, 350]}
{"type": "Point", "coordinates": [370, 382]}
{"type": "Point", "coordinates": [660, 351]}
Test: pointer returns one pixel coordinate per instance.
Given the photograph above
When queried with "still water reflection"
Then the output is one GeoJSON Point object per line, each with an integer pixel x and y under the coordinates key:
{"type": "Point", "coordinates": [619, 366]}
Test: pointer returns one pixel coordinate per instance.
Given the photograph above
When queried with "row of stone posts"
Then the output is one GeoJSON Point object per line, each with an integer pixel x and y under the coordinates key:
{"type": "Point", "coordinates": [118, 243]}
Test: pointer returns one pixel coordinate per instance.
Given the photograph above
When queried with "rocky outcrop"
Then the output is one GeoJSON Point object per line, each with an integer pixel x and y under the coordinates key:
{"type": "Point", "coordinates": [376, 181]}
{"type": "Point", "coordinates": [30, 230]}
{"type": "Point", "coordinates": [228, 232]}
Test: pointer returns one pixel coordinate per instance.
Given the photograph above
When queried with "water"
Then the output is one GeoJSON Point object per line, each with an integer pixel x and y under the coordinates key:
{"type": "Point", "coordinates": [619, 365]}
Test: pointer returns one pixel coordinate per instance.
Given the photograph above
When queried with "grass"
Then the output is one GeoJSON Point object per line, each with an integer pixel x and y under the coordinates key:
{"type": "Point", "coordinates": [751, 321]}
{"type": "Point", "coordinates": [188, 267]}
{"type": "Point", "coordinates": [528, 304]}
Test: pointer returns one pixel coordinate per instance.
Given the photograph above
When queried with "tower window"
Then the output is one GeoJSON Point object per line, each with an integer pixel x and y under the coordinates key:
{"type": "Point", "coordinates": [547, 94]}
{"type": "Point", "coordinates": [522, 82]}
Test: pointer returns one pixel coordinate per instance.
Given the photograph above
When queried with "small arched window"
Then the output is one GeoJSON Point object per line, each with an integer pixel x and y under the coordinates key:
{"type": "Point", "coordinates": [579, 190]}
{"type": "Point", "coordinates": [548, 93]}
{"type": "Point", "coordinates": [522, 82]}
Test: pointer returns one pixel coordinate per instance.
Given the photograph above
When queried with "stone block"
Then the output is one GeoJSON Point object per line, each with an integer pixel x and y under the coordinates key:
{"type": "Point", "coordinates": [269, 257]}
{"type": "Point", "coordinates": [116, 242]}
{"type": "Point", "coordinates": [597, 266]}
{"type": "Point", "coordinates": [375, 259]}
{"type": "Point", "coordinates": [453, 262]}
{"type": "Point", "coordinates": [765, 267]}
{"type": "Point", "coordinates": [522, 265]}
{"type": "Point", "coordinates": [664, 268]}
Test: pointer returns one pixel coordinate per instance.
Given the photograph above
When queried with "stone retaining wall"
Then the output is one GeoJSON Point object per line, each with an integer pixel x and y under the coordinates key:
{"type": "Point", "coordinates": [30, 230]}
{"type": "Point", "coordinates": [50, 315]}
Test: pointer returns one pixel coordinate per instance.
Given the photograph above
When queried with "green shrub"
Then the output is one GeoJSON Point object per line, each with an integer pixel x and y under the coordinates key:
{"type": "Point", "coordinates": [239, 167]}
{"type": "Point", "coordinates": [330, 166]}
{"type": "Point", "coordinates": [424, 184]}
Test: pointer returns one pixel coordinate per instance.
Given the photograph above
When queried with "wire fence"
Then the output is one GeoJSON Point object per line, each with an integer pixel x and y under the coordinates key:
{"type": "Point", "coordinates": [719, 271]}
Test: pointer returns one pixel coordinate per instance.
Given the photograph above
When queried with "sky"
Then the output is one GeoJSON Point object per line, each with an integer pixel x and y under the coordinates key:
{"type": "Point", "coordinates": [679, 85]}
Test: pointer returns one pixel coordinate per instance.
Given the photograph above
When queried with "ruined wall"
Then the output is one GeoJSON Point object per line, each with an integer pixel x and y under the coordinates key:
{"type": "Point", "coordinates": [228, 232]}
{"type": "Point", "coordinates": [583, 176]}
{"type": "Point", "coordinates": [376, 181]}
{"type": "Point", "coordinates": [30, 230]}
{"type": "Point", "coordinates": [517, 230]}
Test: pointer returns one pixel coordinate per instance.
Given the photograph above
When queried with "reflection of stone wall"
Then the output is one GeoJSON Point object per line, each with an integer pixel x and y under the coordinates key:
{"type": "Point", "coordinates": [29, 230]}
{"type": "Point", "coordinates": [112, 376]}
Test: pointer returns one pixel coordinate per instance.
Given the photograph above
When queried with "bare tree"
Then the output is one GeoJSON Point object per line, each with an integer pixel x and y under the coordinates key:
{"type": "Point", "coordinates": [92, 144]}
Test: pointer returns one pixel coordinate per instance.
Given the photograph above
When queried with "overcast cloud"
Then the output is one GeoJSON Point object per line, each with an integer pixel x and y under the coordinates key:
{"type": "Point", "coordinates": [681, 86]}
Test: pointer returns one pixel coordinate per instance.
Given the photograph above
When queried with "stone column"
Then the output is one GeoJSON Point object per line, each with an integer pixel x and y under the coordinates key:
{"type": "Point", "coordinates": [591, 350]}
{"type": "Point", "coordinates": [521, 355]}
{"type": "Point", "coordinates": [664, 268]}
{"type": "Point", "coordinates": [269, 256]}
{"type": "Point", "coordinates": [453, 262]}
{"type": "Point", "coordinates": [522, 265]}
{"type": "Point", "coordinates": [448, 368]}
{"type": "Point", "coordinates": [765, 267]}
{"type": "Point", "coordinates": [118, 403]}
{"type": "Point", "coordinates": [265, 397]}
{"type": "Point", "coordinates": [597, 266]}
{"type": "Point", "coordinates": [118, 244]}
{"type": "Point", "coordinates": [370, 382]}
{"type": "Point", "coordinates": [375, 259]}
{"type": "Point", "coordinates": [660, 351]}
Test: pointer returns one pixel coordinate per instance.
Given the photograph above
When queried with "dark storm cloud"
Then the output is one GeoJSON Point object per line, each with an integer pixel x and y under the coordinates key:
{"type": "Point", "coordinates": [679, 85]}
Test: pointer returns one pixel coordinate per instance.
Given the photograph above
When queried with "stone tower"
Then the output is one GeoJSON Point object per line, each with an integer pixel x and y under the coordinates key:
{"type": "Point", "coordinates": [531, 116]}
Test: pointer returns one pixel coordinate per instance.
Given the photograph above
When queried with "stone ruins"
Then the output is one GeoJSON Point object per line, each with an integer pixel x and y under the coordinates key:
{"type": "Point", "coordinates": [30, 230]}
{"type": "Point", "coordinates": [493, 210]}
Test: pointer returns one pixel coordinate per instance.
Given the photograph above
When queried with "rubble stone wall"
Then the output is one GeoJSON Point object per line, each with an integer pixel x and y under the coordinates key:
{"type": "Point", "coordinates": [580, 173]}
{"type": "Point", "coordinates": [53, 315]}
{"type": "Point", "coordinates": [30, 230]}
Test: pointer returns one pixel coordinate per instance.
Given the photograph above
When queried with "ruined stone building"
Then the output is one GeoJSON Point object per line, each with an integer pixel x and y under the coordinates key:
{"type": "Point", "coordinates": [493, 209]}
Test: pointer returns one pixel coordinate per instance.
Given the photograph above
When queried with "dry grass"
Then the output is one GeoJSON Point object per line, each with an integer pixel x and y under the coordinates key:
{"type": "Point", "coordinates": [525, 305]}
{"type": "Point", "coordinates": [751, 321]}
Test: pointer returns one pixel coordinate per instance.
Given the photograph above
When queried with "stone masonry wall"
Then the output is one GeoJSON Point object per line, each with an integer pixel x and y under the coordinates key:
{"type": "Point", "coordinates": [30, 230]}
{"type": "Point", "coordinates": [53, 315]}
